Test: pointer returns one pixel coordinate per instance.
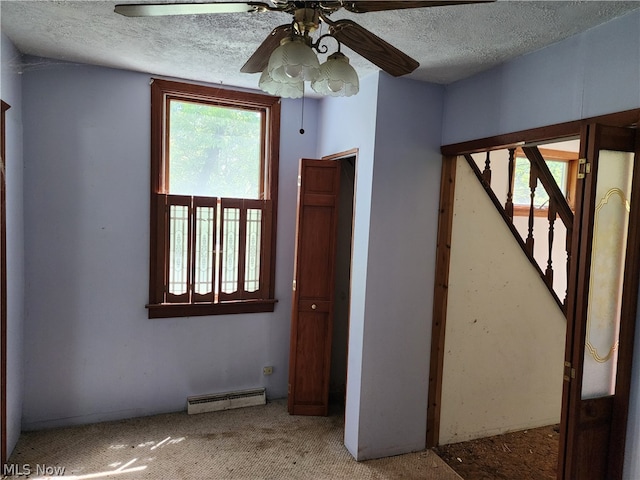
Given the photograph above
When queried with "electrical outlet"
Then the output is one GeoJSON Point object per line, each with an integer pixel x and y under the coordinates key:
{"type": "Point", "coordinates": [267, 370]}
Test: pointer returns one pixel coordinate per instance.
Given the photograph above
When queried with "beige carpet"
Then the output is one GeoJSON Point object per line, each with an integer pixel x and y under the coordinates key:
{"type": "Point", "coordinates": [262, 442]}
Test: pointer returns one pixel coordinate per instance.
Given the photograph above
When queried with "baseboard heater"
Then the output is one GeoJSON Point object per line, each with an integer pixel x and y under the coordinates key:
{"type": "Point", "coordinates": [226, 401]}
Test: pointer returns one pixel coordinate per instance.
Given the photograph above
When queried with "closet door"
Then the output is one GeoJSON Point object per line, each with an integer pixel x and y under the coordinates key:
{"type": "Point", "coordinates": [313, 287]}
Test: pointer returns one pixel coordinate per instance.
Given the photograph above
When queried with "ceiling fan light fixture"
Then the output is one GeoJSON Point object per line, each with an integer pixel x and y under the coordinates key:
{"type": "Point", "coordinates": [287, 53]}
{"type": "Point", "coordinates": [337, 77]}
{"type": "Point", "coordinates": [293, 61]}
{"type": "Point", "coordinates": [279, 89]}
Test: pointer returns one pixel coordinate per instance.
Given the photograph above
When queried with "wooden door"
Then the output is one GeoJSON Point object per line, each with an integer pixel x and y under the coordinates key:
{"type": "Point", "coordinates": [603, 294]}
{"type": "Point", "coordinates": [313, 285]}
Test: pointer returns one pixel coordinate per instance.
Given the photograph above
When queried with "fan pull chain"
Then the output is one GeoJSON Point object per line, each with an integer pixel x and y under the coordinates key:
{"type": "Point", "coordinates": [302, 115]}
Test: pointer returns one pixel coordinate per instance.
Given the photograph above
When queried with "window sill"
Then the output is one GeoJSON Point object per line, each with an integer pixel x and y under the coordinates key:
{"type": "Point", "coordinates": [169, 310]}
{"type": "Point", "coordinates": [523, 211]}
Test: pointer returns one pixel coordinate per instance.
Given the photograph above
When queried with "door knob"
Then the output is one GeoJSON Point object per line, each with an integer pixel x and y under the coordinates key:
{"type": "Point", "coordinates": [314, 306]}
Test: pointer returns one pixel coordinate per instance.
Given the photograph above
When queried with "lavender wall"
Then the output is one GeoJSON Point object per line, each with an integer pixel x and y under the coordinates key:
{"type": "Point", "coordinates": [345, 124]}
{"type": "Point", "coordinates": [395, 123]}
{"type": "Point", "coordinates": [92, 353]}
{"type": "Point", "coordinates": [401, 268]}
{"type": "Point", "coordinates": [11, 92]}
{"type": "Point", "coordinates": [590, 74]}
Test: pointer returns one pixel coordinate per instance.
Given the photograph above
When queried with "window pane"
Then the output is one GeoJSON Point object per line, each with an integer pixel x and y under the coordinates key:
{"type": "Point", "coordinates": [521, 190]}
{"type": "Point", "coordinates": [252, 262]}
{"type": "Point", "coordinates": [608, 254]}
{"type": "Point", "coordinates": [203, 282]}
{"type": "Point", "coordinates": [230, 246]}
{"type": "Point", "coordinates": [178, 248]}
{"type": "Point", "coordinates": [214, 151]}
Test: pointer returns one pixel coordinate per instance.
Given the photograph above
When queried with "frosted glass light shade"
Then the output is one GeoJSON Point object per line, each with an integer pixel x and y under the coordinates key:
{"type": "Point", "coordinates": [279, 89]}
{"type": "Point", "coordinates": [337, 78]}
{"type": "Point", "coordinates": [293, 61]}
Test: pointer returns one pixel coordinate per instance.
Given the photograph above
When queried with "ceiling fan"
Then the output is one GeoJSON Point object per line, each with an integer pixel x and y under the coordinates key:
{"type": "Point", "coordinates": [307, 18]}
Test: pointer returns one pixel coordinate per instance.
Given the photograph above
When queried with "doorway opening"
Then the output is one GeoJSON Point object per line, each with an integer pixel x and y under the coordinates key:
{"type": "Point", "coordinates": [497, 381]}
{"type": "Point", "coordinates": [574, 427]}
{"type": "Point", "coordinates": [500, 320]}
{"type": "Point", "coordinates": [342, 292]}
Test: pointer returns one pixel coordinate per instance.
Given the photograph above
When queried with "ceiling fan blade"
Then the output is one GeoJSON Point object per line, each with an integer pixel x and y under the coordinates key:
{"type": "Point", "coordinates": [158, 9]}
{"type": "Point", "coordinates": [373, 48]}
{"type": "Point", "coordinates": [373, 6]}
{"type": "Point", "coordinates": [260, 58]}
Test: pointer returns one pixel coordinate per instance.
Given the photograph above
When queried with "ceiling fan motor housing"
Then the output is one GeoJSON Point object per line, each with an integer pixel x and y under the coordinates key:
{"type": "Point", "coordinates": [307, 20]}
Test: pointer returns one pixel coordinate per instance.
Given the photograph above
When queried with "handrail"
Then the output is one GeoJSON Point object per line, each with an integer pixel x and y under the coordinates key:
{"type": "Point", "coordinates": [549, 184]}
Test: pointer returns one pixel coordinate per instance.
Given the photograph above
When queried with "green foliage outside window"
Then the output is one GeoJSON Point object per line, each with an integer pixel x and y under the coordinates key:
{"type": "Point", "coordinates": [521, 190]}
{"type": "Point", "coordinates": [214, 151]}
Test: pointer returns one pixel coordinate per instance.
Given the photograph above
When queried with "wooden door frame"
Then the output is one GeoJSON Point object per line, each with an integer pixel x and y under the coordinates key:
{"type": "Point", "coordinates": [445, 223]}
{"type": "Point", "coordinates": [443, 258]}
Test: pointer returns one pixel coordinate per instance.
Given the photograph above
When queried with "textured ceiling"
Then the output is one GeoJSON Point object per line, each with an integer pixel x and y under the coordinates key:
{"type": "Point", "coordinates": [451, 42]}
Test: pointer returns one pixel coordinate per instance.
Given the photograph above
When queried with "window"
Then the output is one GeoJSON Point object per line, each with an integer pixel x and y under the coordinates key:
{"type": "Point", "coordinates": [563, 167]}
{"type": "Point", "coordinates": [214, 168]}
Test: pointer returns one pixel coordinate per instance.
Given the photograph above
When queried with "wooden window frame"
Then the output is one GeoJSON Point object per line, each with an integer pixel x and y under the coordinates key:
{"type": "Point", "coordinates": [571, 158]}
{"type": "Point", "coordinates": [162, 91]}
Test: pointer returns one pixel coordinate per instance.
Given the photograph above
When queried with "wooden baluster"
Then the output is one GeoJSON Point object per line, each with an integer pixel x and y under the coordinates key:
{"type": "Point", "coordinates": [568, 247]}
{"type": "Point", "coordinates": [508, 207]}
{"type": "Point", "coordinates": [486, 174]}
{"type": "Point", "coordinates": [533, 182]}
{"type": "Point", "coordinates": [548, 274]}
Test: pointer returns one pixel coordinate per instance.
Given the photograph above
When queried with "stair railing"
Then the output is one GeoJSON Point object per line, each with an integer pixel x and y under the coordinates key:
{"type": "Point", "coordinates": [558, 207]}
